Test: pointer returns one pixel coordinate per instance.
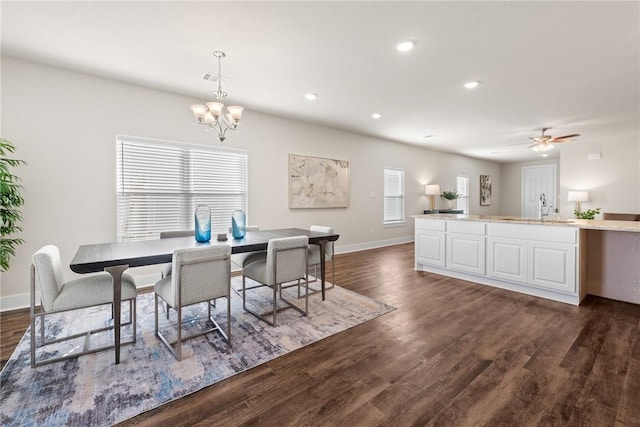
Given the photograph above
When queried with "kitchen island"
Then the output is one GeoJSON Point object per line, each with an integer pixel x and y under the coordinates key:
{"type": "Point", "coordinates": [558, 259]}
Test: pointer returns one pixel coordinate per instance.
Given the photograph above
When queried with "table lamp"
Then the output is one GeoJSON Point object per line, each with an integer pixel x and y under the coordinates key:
{"type": "Point", "coordinates": [431, 191]}
{"type": "Point", "coordinates": [578, 197]}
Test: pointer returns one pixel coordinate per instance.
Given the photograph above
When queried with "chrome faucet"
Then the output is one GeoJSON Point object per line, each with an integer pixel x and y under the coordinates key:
{"type": "Point", "coordinates": [543, 209]}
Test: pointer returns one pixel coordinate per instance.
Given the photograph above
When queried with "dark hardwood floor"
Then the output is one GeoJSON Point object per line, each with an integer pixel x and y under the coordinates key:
{"type": "Point", "coordinates": [453, 353]}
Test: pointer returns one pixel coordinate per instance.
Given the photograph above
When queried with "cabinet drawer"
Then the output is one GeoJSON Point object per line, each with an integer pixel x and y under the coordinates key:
{"type": "Point", "coordinates": [430, 224]}
{"type": "Point", "coordinates": [546, 233]}
{"type": "Point", "coordinates": [466, 227]}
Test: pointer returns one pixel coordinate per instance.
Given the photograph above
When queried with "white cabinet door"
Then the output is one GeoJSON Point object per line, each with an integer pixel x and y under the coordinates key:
{"type": "Point", "coordinates": [430, 247]}
{"type": "Point", "coordinates": [507, 259]}
{"type": "Point", "coordinates": [466, 252]}
{"type": "Point", "coordinates": [552, 266]}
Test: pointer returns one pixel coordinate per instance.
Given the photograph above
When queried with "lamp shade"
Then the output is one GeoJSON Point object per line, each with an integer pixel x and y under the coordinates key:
{"type": "Point", "coordinates": [432, 190]}
{"type": "Point", "coordinates": [578, 196]}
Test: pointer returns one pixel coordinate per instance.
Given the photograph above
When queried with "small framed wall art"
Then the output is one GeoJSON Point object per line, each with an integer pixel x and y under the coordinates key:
{"type": "Point", "coordinates": [485, 190]}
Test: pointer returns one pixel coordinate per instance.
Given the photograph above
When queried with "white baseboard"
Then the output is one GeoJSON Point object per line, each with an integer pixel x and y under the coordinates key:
{"type": "Point", "coordinates": [372, 245]}
{"type": "Point", "coordinates": [15, 302]}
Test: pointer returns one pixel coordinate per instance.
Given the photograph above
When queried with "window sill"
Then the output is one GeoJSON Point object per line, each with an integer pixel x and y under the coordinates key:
{"type": "Point", "coordinates": [395, 224]}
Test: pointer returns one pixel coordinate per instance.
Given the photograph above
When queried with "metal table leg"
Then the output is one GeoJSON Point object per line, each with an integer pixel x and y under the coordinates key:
{"type": "Point", "coordinates": [323, 246]}
{"type": "Point", "coordinates": [116, 272]}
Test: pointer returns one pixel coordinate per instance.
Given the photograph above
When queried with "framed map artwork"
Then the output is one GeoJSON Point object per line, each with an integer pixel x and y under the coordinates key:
{"type": "Point", "coordinates": [316, 182]}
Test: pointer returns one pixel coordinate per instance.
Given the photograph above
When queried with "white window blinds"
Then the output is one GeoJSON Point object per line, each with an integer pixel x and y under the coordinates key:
{"type": "Point", "coordinates": [159, 184]}
{"type": "Point", "coordinates": [393, 196]}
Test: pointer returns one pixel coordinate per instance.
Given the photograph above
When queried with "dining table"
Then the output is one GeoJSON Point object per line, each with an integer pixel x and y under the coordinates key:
{"type": "Point", "coordinates": [116, 257]}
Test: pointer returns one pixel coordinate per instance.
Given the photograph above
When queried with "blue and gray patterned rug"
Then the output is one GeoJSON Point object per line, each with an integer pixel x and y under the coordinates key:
{"type": "Point", "coordinates": [92, 390]}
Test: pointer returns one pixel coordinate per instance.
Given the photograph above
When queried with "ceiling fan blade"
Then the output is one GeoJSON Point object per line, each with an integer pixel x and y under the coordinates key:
{"type": "Point", "coordinates": [558, 138]}
{"type": "Point", "coordinates": [533, 145]}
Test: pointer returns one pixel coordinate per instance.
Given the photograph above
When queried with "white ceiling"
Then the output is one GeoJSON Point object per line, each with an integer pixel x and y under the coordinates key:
{"type": "Point", "coordinates": [573, 66]}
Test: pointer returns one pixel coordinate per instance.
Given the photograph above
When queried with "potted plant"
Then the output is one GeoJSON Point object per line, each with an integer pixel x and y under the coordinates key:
{"type": "Point", "coordinates": [10, 202]}
{"type": "Point", "coordinates": [450, 197]}
{"type": "Point", "coordinates": [588, 214]}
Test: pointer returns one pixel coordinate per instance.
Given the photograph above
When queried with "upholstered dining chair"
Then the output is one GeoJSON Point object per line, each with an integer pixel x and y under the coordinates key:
{"type": "Point", "coordinates": [286, 261]}
{"type": "Point", "coordinates": [314, 255]}
{"type": "Point", "coordinates": [57, 296]}
{"type": "Point", "coordinates": [166, 267]}
{"type": "Point", "coordinates": [198, 275]}
{"type": "Point", "coordinates": [240, 260]}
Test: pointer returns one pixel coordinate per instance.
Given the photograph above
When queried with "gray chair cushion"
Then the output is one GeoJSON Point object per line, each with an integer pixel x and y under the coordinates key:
{"type": "Point", "coordinates": [95, 289]}
{"type": "Point", "coordinates": [165, 269]}
{"type": "Point", "coordinates": [244, 259]}
{"type": "Point", "coordinates": [289, 264]}
{"type": "Point", "coordinates": [314, 250]}
{"type": "Point", "coordinates": [87, 291]}
{"type": "Point", "coordinates": [199, 274]}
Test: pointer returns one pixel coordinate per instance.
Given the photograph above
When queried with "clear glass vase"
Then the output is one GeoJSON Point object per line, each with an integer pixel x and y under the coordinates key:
{"type": "Point", "coordinates": [238, 224]}
{"type": "Point", "coordinates": [203, 223]}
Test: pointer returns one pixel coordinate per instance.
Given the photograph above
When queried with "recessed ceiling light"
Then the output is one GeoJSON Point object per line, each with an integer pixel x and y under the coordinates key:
{"type": "Point", "coordinates": [472, 85]}
{"type": "Point", "coordinates": [405, 46]}
{"type": "Point", "coordinates": [311, 96]}
{"type": "Point", "coordinates": [376, 116]}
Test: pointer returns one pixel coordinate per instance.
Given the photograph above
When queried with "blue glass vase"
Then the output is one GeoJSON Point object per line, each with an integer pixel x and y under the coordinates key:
{"type": "Point", "coordinates": [238, 224]}
{"type": "Point", "coordinates": [203, 223]}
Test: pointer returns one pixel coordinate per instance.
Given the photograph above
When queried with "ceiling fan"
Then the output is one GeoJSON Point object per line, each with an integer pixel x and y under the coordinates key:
{"type": "Point", "coordinates": [544, 143]}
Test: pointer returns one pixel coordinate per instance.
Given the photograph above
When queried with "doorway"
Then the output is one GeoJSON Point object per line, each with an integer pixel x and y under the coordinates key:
{"type": "Point", "coordinates": [538, 181]}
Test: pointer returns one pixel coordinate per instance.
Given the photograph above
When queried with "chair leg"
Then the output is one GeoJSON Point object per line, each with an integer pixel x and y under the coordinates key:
{"type": "Point", "coordinates": [244, 293]}
{"type": "Point", "coordinates": [179, 341]}
{"type": "Point", "coordinates": [229, 317]}
{"type": "Point", "coordinates": [133, 310]}
{"type": "Point", "coordinates": [275, 305]}
{"type": "Point", "coordinates": [155, 296]}
{"type": "Point", "coordinates": [32, 312]}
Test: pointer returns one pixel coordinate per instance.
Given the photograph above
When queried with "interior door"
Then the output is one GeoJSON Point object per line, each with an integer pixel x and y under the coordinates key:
{"type": "Point", "coordinates": [538, 180]}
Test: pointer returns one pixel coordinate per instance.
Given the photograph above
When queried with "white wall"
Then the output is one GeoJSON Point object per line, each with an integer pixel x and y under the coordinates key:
{"type": "Point", "coordinates": [613, 182]}
{"type": "Point", "coordinates": [64, 125]}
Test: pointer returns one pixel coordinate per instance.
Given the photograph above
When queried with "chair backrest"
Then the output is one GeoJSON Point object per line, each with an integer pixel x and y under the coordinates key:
{"type": "Point", "coordinates": [621, 216]}
{"type": "Point", "coordinates": [48, 267]}
{"type": "Point", "coordinates": [323, 229]}
{"type": "Point", "coordinates": [286, 259]}
{"type": "Point", "coordinates": [202, 273]}
{"type": "Point", "coordinates": [178, 233]}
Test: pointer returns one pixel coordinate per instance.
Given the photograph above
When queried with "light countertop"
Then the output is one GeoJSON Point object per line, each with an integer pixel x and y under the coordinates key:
{"type": "Point", "coordinates": [588, 224]}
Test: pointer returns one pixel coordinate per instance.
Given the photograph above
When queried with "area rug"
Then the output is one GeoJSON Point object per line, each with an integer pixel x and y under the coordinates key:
{"type": "Point", "coordinates": [93, 390]}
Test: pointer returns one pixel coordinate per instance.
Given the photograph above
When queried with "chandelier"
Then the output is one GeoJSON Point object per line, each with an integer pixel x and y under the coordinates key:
{"type": "Point", "coordinates": [211, 114]}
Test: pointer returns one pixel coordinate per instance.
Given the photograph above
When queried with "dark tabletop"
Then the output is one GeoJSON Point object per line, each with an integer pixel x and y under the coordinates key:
{"type": "Point", "coordinates": [92, 258]}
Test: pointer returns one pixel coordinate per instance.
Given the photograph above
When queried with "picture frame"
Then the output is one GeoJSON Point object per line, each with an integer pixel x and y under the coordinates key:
{"type": "Point", "coordinates": [485, 190]}
{"type": "Point", "coordinates": [318, 182]}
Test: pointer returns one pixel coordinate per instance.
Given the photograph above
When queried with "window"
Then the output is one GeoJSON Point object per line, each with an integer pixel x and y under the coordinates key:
{"type": "Point", "coordinates": [462, 186]}
{"type": "Point", "coordinates": [159, 184]}
{"type": "Point", "coordinates": [393, 196]}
